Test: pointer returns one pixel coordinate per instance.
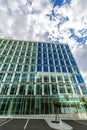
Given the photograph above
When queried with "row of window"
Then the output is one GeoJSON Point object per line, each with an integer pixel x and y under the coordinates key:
{"type": "Point", "coordinates": [56, 62]}
{"type": "Point", "coordinates": [40, 60]}
{"type": "Point", "coordinates": [57, 45]}
{"type": "Point", "coordinates": [25, 77]}
{"type": "Point", "coordinates": [46, 48]}
{"type": "Point", "coordinates": [39, 68]}
{"type": "Point", "coordinates": [17, 53]}
{"type": "Point", "coordinates": [33, 60]}
{"type": "Point", "coordinates": [29, 45]}
{"type": "Point", "coordinates": [55, 51]}
{"type": "Point", "coordinates": [51, 68]}
{"type": "Point", "coordinates": [17, 76]}
{"type": "Point", "coordinates": [55, 55]}
{"type": "Point", "coordinates": [35, 54]}
{"type": "Point", "coordinates": [18, 43]}
{"type": "Point", "coordinates": [29, 90]}
{"type": "Point", "coordinates": [40, 89]}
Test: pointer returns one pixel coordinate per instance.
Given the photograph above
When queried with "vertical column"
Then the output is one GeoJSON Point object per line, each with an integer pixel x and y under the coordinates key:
{"type": "Point", "coordinates": [42, 85]}
{"type": "Point", "coordinates": [50, 85]}
{"type": "Point", "coordinates": [35, 83]}
{"type": "Point", "coordinates": [57, 85]}
{"type": "Point", "coordinates": [64, 85]}
{"type": "Point", "coordinates": [71, 85]}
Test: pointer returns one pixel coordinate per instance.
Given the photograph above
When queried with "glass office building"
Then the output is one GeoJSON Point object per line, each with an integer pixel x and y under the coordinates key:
{"type": "Point", "coordinates": [34, 74]}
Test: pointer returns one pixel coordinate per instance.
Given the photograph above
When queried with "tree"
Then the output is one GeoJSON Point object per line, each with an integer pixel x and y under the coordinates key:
{"type": "Point", "coordinates": [57, 106]}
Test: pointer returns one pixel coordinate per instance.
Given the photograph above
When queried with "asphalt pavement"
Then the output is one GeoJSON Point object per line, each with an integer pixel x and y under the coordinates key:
{"type": "Point", "coordinates": [25, 124]}
{"type": "Point", "coordinates": [13, 124]}
{"type": "Point", "coordinates": [38, 124]}
{"type": "Point", "coordinates": [77, 124]}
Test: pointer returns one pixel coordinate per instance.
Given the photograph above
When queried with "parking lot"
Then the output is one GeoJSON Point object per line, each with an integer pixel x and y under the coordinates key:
{"type": "Point", "coordinates": [37, 124]}
{"type": "Point", "coordinates": [13, 124]}
{"type": "Point", "coordinates": [24, 124]}
{"type": "Point", "coordinates": [77, 124]}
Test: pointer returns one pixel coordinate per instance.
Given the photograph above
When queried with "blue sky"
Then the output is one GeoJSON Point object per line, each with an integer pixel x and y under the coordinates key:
{"type": "Point", "coordinates": [63, 21]}
{"type": "Point", "coordinates": [60, 2]}
{"type": "Point", "coordinates": [57, 2]}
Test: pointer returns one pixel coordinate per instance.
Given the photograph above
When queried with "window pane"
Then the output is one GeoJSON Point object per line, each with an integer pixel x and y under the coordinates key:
{"type": "Point", "coordinates": [24, 77]}
{"type": "Point", "coordinates": [26, 68]}
{"type": "Point", "coordinates": [5, 67]}
{"type": "Point", "coordinates": [46, 78]}
{"type": "Point", "coordinates": [16, 77]}
{"type": "Point", "coordinates": [19, 67]}
{"type": "Point", "coordinates": [12, 67]}
{"type": "Point", "coordinates": [54, 89]}
{"type": "Point", "coordinates": [39, 79]}
{"type": "Point", "coordinates": [39, 61]}
{"type": "Point", "coordinates": [30, 89]}
{"type": "Point", "coordinates": [79, 78]}
{"type": "Point", "coordinates": [60, 78]}
{"type": "Point", "coordinates": [64, 69]}
{"type": "Point", "coordinates": [51, 61]}
{"type": "Point", "coordinates": [13, 89]}
{"type": "Point", "coordinates": [45, 68]}
{"type": "Point", "coordinates": [22, 90]}
{"type": "Point", "coordinates": [1, 76]}
{"type": "Point", "coordinates": [69, 89]}
{"type": "Point", "coordinates": [66, 78]}
{"type": "Point", "coordinates": [53, 79]}
{"type": "Point", "coordinates": [5, 89]}
{"type": "Point", "coordinates": [51, 68]}
{"type": "Point", "coordinates": [8, 78]}
{"type": "Point", "coordinates": [39, 68]}
{"type": "Point", "coordinates": [62, 62]}
{"type": "Point", "coordinates": [61, 89]}
{"type": "Point", "coordinates": [70, 70]}
{"type": "Point", "coordinates": [46, 89]}
{"type": "Point", "coordinates": [38, 89]}
{"type": "Point", "coordinates": [45, 61]}
{"type": "Point", "coordinates": [58, 69]}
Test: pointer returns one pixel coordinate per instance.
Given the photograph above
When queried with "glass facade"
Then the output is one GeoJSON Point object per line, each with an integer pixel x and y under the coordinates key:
{"type": "Point", "coordinates": [33, 74]}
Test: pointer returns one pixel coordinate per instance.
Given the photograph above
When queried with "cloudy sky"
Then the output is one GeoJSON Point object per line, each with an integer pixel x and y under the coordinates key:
{"type": "Point", "coordinates": [63, 21]}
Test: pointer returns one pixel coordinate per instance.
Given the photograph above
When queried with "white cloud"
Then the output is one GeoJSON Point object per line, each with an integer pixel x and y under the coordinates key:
{"type": "Point", "coordinates": [80, 54]}
{"type": "Point", "coordinates": [14, 3]}
{"type": "Point", "coordinates": [25, 21]}
{"type": "Point", "coordinates": [79, 6]}
{"type": "Point", "coordinates": [33, 19]}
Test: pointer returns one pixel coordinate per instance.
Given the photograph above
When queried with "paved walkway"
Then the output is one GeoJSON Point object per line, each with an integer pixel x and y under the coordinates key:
{"type": "Point", "coordinates": [58, 126]}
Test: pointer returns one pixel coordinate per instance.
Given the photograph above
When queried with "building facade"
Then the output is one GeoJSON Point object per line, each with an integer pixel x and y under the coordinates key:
{"type": "Point", "coordinates": [34, 74]}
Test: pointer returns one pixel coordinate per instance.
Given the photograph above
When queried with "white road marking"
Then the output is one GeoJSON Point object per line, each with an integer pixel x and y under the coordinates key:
{"type": "Point", "coordinates": [26, 124]}
{"type": "Point", "coordinates": [6, 122]}
{"type": "Point", "coordinates": [81, 122]}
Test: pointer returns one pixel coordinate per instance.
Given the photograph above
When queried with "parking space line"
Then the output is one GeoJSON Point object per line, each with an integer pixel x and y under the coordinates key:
{"type": "Point", "coordinates": [6, 122]}
{"type": "Point", "coordinates": [81, 122]}
{"type": "Point", "coordinates": [26, 124]}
